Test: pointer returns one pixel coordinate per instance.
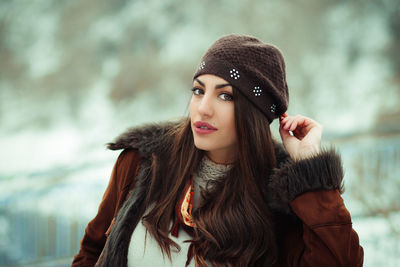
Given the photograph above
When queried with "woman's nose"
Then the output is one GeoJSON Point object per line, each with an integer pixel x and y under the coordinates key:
{"type": "Point", "coordinates": [206, 106]}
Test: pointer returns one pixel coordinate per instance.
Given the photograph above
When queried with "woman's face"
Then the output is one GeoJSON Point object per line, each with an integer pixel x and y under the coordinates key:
{"type": "Point", "coordinates": [212, 104]}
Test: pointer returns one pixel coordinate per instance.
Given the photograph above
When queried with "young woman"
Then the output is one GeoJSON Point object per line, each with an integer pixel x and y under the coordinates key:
{"type": "Point", "coordinates": [215, 189]}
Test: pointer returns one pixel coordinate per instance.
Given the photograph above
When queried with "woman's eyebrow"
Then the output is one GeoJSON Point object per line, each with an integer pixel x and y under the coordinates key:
{"type": "Point", "coordinates": [218, 86]}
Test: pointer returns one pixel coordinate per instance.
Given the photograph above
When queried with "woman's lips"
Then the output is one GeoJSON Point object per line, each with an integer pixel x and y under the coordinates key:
{"type": "Point", "coordinates": [203, 127]}
{"type": "Point", "coordinates": [203, 131]}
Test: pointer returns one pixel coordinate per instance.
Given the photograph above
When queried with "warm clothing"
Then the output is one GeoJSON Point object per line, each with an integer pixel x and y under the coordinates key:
{"type": "Point", "coordinates": [313, 227]}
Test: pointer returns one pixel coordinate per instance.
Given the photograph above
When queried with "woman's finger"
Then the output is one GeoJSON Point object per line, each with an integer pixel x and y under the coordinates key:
{"type": "Point", "coordinates": [287, 123]}
{"type": "Point", "coordinates": [283, 116]}
{"type": "Point", "coordinates": [293, 125]}
{"type": "Point", "coordinates": [290, 125]}
{"type": "Point", "coordinates": [292, 122]}
{"type": "Point", "coordinates": [283, 124]}
{"type": "Point", "coordinates": [301, 124]}
{"type": "Point", "coordinates": [285, 119]}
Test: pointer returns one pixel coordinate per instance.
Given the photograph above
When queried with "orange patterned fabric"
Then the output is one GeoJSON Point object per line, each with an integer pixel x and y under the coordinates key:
{"type": "Point", "coordinates": [186, 208]}
{"type": "Point", "coordinates": [183, 211]}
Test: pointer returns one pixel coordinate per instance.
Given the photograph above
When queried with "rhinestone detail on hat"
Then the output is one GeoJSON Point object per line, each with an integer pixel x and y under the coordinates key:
{"type": "Point", "coordinates": [202, 64]}
{"type": "Point", "coordinates": [235, 74]}
{"type": "Point", "coordinates": [273, 108]}
{"type": "Point", "coordinates": [257, 91]}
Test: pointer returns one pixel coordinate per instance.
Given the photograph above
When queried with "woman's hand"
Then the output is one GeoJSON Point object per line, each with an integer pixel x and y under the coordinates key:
{"type": "Point", "coordinates": [306, 139]}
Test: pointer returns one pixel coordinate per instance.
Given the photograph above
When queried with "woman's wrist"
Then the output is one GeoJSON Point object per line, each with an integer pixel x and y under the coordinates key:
{"type": "Point", "coordinates": [306, 153]}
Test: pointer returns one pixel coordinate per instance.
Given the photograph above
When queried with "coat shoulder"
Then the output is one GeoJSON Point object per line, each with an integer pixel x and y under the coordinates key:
{"type": "Point", "coordinates": [147, 139]}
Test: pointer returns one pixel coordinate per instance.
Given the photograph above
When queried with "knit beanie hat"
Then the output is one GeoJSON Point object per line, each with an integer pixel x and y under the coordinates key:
{"type": "Point", "coordinates": [255, 68]}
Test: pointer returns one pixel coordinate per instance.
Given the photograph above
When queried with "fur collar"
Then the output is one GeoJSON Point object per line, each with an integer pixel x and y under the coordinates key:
{"type": "Point", "coordinates": [148, 138]}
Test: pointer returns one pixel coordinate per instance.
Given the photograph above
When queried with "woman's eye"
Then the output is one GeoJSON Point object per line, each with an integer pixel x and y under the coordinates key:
{"type": "Point", "coordinates": [223, 96]}
{"type": "Point", "coordinates": [196, 91]}
{"type": "Point", "coordinates": [226, 97]}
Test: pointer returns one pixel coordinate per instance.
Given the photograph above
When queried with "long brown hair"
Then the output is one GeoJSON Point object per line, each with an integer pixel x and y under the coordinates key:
{"type": "Point", "coordinates": [233, 224]}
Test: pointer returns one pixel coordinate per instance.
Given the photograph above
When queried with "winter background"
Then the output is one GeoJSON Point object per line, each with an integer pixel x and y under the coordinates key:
{"type": "Point", "coordinates": [75, 74]}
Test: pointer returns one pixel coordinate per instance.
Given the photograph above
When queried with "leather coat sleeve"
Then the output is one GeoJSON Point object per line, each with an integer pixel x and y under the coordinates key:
{"type": "Point", "coordinates": [310, 190]}
{"type": "Point", "coordinates": [92, 243]}
{"type": "Point", "coordinates": [328, 236]}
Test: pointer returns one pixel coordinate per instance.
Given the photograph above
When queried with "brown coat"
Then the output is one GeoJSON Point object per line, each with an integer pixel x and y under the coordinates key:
{"type": "Point", "coordinates": [314, 227]}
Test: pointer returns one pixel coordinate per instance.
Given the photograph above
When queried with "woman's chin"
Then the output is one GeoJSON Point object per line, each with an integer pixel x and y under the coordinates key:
{"type": "Point", "coordinates": [202, 146]}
